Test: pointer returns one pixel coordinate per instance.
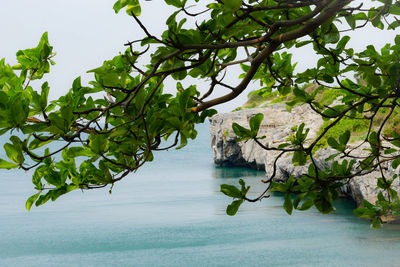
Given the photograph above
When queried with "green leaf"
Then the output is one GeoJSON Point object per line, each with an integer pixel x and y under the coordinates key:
{"type": "Point", "coordinates": [332, 156]}
{"type": "Point", "coordinates": [282, 146]}
{"type": "Point", "coordinates": [332, 37]}
{"type": "Point", "coordinates": [394, 9]}
{"type": "Point", "coordinates": [242, 132]}
{"type": "Point", "coordinates": [132, 6]}
{"type": "Point", "coordinates": [7, 165]}
{"type": "Point", "coordinates": [299, 158]}
{"type": "Point", "coordinates": [382, 184]}
{"type": "Point", "coordinates": [373, 139]}
{"type": "Point", "coordinates": [36, 143]}
{"type": "Point", "coordinates": [243, 189]}
{"type": "Point", "coordinates": [31, 200]}
{"type": "Point", "coordinates": [117, 6]}
{"type": "Point", "coordinates": [334, 144]}
{"type": "Point", "coordinates": [175, 3]}
{"type": "Point", "coordinates": [54, 177]}
{"type": "Point", "coordinates": [397, 40]}
{"type": "Point", "coordinates": [255, 122]}
{"type": "Point", "coordinates": [351, 21]}
{"type": "Point", "coordinates": [327, 78]}
{"type": "Point", "coordinates": [20, 109]}
{"type": "Point", "coordinates": [312, 171]}
{"type": "Point", "coordinates": [98, 143]}
{"type": "Point", "coordinates": [56, 193]}
{"type": "Point", "coordinates": [183, 141]}
{"type": "Point", "coordinates": [44, 95]}
{"type": "Point", "coordinates": [395, 163]}
{"type": "Point", "coordinates": [14, 153]}
{"type": "Point", "coordinates": [393, 194]}
{"type": "Point", "coordinates": [232, 209]}
{"type": "Point", "coordinates": [307, 204]}
{"type": "Point", "coordinates": [376, 223]}
{"type": "Point", "coordinates": [297, 200]}
{"type": "Point", "coordinates": [232, 5]}
{"type": "Point", "coordinates": [303, 43]}
{"type": "Point", "coordinates": [344, 138]}
{"type": "Point", "coordinates": [390, 151]}
{"type": "Point", "coordinates": [207, 113]}
{"type": "Point", "coordinates": [288, 205]}
{"type": "Point", "coordinates": [74, 152]}
{"type": "Point", "coordinates": [323, 202]}
{"type": "Point", "coordinates": [300, 136]}
{"type": "Point", "coordinates": [231, 191]}
{"type": "Point", "coordinates": [43, 199]}
{"type": "Point", "coordinates": [367, 212]}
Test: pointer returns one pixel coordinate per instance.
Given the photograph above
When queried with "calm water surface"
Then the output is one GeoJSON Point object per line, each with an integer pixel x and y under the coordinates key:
{"type": "Point", "coordinates": [170, 213]}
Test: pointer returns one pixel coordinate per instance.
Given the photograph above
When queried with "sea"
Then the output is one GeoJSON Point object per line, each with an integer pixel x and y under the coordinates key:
{"type": "Point", "coordinates": [172, 213]}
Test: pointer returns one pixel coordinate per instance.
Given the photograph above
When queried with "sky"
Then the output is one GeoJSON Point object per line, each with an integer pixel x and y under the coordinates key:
{"type": "Point", "coordinates": [84, 33]}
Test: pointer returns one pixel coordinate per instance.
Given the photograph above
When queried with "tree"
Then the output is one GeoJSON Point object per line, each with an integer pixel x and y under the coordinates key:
{"type": "Point", "coordinates": [106, 138]}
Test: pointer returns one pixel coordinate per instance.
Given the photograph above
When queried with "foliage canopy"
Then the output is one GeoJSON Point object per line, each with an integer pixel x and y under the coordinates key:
{"type": "Point", "coordinates": [104, 139]}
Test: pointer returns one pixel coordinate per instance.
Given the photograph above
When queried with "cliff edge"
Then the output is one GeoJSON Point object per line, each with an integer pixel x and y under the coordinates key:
{"type": "Point", "coordinates": [277, 126]}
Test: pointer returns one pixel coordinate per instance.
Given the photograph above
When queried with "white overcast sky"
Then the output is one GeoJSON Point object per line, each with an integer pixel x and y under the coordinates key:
{"type": "Point", "coordinates": [84, 33]}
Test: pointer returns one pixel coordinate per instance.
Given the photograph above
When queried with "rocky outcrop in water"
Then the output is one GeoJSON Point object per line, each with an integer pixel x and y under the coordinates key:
{"type": "Point", "coordinates": [277, 126]}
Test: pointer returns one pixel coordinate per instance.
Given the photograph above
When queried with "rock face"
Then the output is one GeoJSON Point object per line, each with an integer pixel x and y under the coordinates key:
{"type": "Point", "coordinates": [277, 126]}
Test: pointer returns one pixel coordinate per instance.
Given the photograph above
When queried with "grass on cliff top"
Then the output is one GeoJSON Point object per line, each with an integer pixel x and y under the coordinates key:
{"type": "Point", "coordinates": [263, 98]}
{"type": "Point", "coordinates": [326, 96]}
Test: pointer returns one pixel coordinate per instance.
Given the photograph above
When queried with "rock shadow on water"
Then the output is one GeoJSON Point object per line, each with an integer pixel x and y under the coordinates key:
{"type": "Point", "coordinates": [223, 172]}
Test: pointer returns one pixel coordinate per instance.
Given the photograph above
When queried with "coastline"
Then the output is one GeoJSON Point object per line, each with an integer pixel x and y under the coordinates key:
{"type": "Point", "coordinates": [276, 126]}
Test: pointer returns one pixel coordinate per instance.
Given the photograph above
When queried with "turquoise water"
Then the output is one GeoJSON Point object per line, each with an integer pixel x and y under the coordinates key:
{"type": "Point", "coordinates": [171, 213]}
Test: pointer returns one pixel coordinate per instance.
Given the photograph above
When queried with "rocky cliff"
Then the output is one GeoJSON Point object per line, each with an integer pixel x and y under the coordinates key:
{"type": "Point", "coordinates": [277, 126]}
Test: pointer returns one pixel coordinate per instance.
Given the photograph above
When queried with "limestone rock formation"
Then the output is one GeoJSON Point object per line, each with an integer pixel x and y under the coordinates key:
{"type": "Point", "coordinates": [277, 125]}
